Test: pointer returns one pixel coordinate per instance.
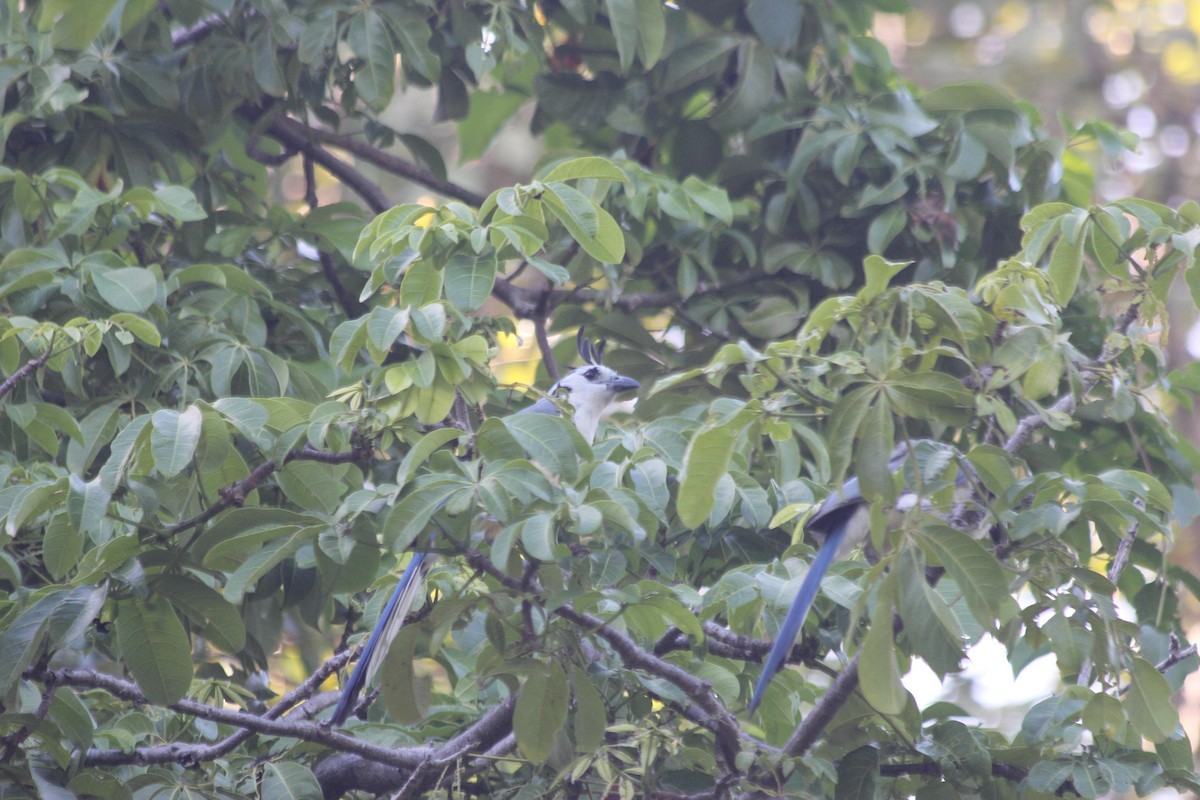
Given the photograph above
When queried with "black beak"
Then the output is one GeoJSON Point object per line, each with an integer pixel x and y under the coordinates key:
{"type": "Point", "coordinates": [622, 384]}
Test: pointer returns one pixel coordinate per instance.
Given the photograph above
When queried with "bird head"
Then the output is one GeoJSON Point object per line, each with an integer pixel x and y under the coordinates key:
{"type": "Point", "coordinates": [591, 389]}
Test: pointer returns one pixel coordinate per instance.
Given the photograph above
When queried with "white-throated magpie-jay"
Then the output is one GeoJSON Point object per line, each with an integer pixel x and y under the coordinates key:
{"type": "Point", "coordinates": [840, 522]}
{"type": "Point", "coordinates": [591, 391]}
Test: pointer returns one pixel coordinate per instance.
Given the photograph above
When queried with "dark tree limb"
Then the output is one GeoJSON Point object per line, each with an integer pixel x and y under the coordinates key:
{"type": "Point", "coordinates": [178, 752]}
{"type": "Point", "coordinates": [235, 494]}
{"type": "Point", "coordinates": [379, 158]}
{"type": "Point", "coordinates": [349, 772]}
{"type": "Point", "coordinates": [27, 369]}
{"type": "Point", "coordinates": [296, 138]}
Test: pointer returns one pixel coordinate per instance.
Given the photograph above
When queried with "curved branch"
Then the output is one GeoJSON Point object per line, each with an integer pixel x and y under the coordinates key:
{"type": "Point", "coordinates": [403, 757]}
{"type": "Point", "coordinates": [373, 155]}
{"type": "Point", "coordinates": [300, 141]}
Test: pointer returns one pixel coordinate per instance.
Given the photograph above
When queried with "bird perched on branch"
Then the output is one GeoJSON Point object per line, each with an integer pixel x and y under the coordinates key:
{"type": "Point", "coordinates": [591, 391]}
{"type": "Point", "coordinates": [839, 523]}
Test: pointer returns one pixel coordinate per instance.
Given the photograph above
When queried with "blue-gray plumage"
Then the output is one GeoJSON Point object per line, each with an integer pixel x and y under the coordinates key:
{"type": "Point", "coordinates": [840, 522]}
{"type": "Point", "coordinates": [591, 391]}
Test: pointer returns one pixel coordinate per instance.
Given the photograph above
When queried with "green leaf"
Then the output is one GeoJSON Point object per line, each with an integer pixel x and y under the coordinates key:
{"type": "Point", "coordinates": [541, 711]}
{"type": "Point", "coordinates": [374, 77]}
{"type": "Point", "coordinates": [697, 60]}
{"type": "Point", "coordinates": [1066, 265]}
{"type": "Point", "coordinates": [537, 537]}
{"type": "Point", "coordinates": [878, 668]}
{"type": "Point", "coordinates": [220, 620]}
{"type": "Point", "coordinates": [713, 200]}
{"type": "Point", "coordinates": [74, 25]}
{"type": "Point", "coordinates": [651, 30]}
{"type": "Point", "coordinates": [126, 289]}
{"type": "Point", "coordinates": [409, 518]}
{"type": "Point", "coordinates": [179, 203]}
{"type": "Point", "coordinates": [58, 617]}
{"type": "Point", "coordinates": [975, 570]}
{"type": "Point", "coordinates": [385, 324]}
{"type": "Point", "coordinates": [586, 167]}
{"type": "Point", "coordinates": [413, 27]}
{"type": "Point", "coordinates": [857, 774]}
{"type": "Point", "coordinates": [62, 546]}
{"type": "Point", "coordinates": [845, 422]}
{"type": "Point", "coordinates": [752, 93]}
{"type": "Point", "coordinates": [777, 22]}
{"type": "Point", "coordinates": [879, 273]}
{"type": "Point", "coordinates": [593, 227]}
{"type": "Point", "coordinates": [311, 485]}
{"type": "Point", "coordinates": [550, 440]}
{"type": "Point", "coordinates": [288, 780]}
{"type": "Point", "coordinates": [174, 437]}
{"type": "Point", "coordinates": [143, 329]}
{"type": "Point", "coordinates": [1148, 702]}
{"type": "Point", "coordinates": [967, 96]}
{"type": "Point", "coordinates": [623, 19]}
{"type": "Point", "coordinates": [487, 113]}
{"type": "Point", "coordinates": [399, 684]}
{"type": "Point", "coordinates": [591, 718]}
{"type": "Point", "coordinates": [72, 717]}
{"type": "Point", "coordinates": [250, 571]}
{"type": "Point", "coordinates": [1105, 717]}
{"type": "Point", "coordinates": [934, 396]}
{"type": "Point", "coordinates": [469, 280]}
{"type": "Point", "coordinates": [993, 468]}
{"type": "Point", "coordinates": [422, 450]}
{"type": "Point", "coordinates": [874, 449]}
{"type": "Point", "coordinates": [155, 649]}
{"type": "Point", "coordinates": [929, 624]}
{"type": "Point", "coordinates": [705, 463]}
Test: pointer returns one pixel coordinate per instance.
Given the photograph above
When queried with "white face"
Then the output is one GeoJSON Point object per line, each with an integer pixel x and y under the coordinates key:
{"type": "Point", "coordinates": [590, 389]}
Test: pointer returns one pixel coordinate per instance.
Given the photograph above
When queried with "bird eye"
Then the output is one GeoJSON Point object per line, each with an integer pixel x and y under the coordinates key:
{"type": "Point", "coordinates": [592, 374]}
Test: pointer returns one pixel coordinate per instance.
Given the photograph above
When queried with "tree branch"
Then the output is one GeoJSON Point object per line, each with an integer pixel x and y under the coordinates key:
{"type": "Point", "coordinates": [348, 772]}
{"type": "Point", "coordinates": [26, 369]}
{"type": "Point", "coordinates": [373, 155]}
{"type": "Point", "coordinates": [299, 141]}
{"type": "Point", "coordinates": [235, 493]}
{"type": "Point", "coordinates": [403, 757]}
{"type": "Point", "coordinates": [197, 32]}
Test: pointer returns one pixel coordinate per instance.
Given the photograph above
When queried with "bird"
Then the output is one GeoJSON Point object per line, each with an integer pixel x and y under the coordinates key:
{"type": "Point", "coordinates": [591, 391]}
{"type": "Point", "coordinates": [840, 522]}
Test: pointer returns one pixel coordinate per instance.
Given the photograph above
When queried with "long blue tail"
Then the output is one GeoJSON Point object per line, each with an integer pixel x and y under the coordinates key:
{"type": "Point", "coordinates": [390, 622]}
{"type": "Point", "coordinates": [790, 629]}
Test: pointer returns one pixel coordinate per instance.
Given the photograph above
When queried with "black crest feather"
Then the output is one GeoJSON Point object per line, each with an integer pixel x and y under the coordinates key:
{"type": "Point", "coordinates": [591, 352]}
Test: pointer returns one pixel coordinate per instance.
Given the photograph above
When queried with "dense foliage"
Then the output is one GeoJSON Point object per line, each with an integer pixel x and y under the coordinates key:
{"type": "Point", "coordinates": [226, 420]}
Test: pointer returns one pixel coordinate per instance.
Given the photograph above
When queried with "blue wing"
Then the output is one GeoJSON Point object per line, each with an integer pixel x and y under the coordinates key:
{"type": "Point", "coordinates": [390, 621]}
{"type": "Point", "coordinates": [842, 519]}
{"type": "Point", "coordinates": [790, 629]}
{"type": "Point", "coordinates": [411, 584]}
{"type": "Point", "coordinates": [841, 522]}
